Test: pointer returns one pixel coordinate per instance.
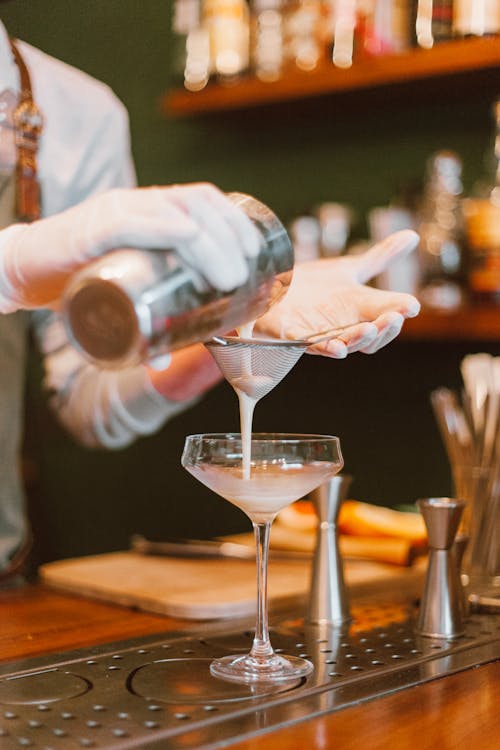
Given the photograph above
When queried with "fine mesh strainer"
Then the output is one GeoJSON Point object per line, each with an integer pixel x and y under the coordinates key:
{"type": "Point", "coordinates": [255, 366]}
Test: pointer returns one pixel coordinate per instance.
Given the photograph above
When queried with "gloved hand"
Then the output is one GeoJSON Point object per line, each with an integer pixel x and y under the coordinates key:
{"type": "Point", "coordinates": [198, 221]}
{"type": "Point", "coordinates": [331, 293]}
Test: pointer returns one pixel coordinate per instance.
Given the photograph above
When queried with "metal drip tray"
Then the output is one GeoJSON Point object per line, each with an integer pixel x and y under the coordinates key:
{"type": "Point", "coordinates": [158, 694]}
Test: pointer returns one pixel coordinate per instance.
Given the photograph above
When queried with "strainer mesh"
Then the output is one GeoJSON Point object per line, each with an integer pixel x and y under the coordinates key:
{"type": "Point", "coordinates": [254, 367]}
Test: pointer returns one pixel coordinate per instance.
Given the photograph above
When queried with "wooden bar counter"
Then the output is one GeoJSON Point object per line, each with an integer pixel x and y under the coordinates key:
{"type": "Point", "coordinates": [456, 712]}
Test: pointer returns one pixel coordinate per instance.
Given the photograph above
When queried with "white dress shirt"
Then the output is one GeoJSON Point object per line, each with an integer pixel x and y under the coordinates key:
{"type": "Point", "coordinates": [84, 150]}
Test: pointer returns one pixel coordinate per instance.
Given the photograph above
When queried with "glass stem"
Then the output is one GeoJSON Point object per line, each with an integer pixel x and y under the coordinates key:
{"type": "Point", "coordinates": [261, 647]}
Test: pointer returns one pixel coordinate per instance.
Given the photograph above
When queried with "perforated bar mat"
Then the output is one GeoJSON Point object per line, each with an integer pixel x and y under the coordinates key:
{"type": "Point", "coordinates": [157, 694]}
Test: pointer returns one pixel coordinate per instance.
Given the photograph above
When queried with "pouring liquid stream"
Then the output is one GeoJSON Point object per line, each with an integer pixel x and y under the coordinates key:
{"type": "Point", "coordinates": [259, 370]}
{"type": "Point", "coordinates": [245, 390]}
{"type": "Point", "coordinates": [253, 368]}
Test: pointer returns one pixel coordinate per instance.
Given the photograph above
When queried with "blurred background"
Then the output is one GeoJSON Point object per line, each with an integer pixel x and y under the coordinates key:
{"type": "Point", "coordinates": [365, 148]}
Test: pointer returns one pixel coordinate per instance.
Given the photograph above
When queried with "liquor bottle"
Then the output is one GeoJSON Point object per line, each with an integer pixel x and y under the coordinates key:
{"type": "Point", "coordinates": [433, 21]}
{"type": "Point", "coordinates": [197, 68]}
{"type": "Point", "coordinates": [335, 221]}
{"type": "Point", "coordinates": [344, 30]}
{"type": "Point", "coordinates": [305, 233]}
{"type": "Point", "coordinates": [304, 34]}
{"type": "Point", "coordinates": [382, 26]}
{"type": "Point", "coordinates": [228, 26]}
{"type": "Point", "coordinates": [267, 39]}
{"type": "Point", "coordinates": [185, 27]}
{"type": "Point", "coordinates": [476, 17]}
{"type": "Point", "coordinates": [440, 225]}
{"type": "Point", "coordinates": [482, 221]}
{"type": "Point", "coordinates": [403, 274]}
{"type": "Point", "coordinates": [442, 20]}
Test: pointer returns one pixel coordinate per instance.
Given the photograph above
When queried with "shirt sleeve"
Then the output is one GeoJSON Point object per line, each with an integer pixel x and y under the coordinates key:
{"type": "Point", "coordinates": [99, 408]}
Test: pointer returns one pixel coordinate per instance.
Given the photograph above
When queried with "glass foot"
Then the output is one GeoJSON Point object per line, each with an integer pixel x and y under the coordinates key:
{"type": "Point", "coordinates": [249, 669]}
{"type": "Point", "coordinates": [188, 681]}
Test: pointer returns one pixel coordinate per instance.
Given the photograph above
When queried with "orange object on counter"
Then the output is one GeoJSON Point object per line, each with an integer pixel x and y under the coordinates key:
{"type": "Point", "coordinates": [360, 519]}
{"type": "Point", "coordinates": [364, 519]}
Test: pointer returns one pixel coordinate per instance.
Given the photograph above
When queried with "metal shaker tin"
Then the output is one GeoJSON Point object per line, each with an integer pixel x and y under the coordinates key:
{"type": "Point", "coordinates": [132, 306]}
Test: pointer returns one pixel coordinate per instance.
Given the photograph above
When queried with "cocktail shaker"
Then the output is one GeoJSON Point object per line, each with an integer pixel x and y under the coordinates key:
{"type": "Point", "coordinates": [136, 305]}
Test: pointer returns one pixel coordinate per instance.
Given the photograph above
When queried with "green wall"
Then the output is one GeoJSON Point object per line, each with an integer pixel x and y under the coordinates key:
{"type": "Point", "coordinates": [357, 149]}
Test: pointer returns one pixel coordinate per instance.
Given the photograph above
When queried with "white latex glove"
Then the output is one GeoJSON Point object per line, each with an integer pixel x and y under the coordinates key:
{"type": "Point", "coordinates": [210, 234]}
{"type": "Point", "coordinates": [331, 293]}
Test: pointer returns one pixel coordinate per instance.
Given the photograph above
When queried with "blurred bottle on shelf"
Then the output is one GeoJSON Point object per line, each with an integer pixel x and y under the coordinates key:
{"type": "Point", "coordinates": [401, 16]}
{"type": "Point", "coordinates": [304, 33]}
{"type": "Point", "coordinates": [185, 17]}
{"type": "Point", "coordinates": [344, 20]}
{"type": "Point", "coordinates": [482, 222]}
{"type": "Point", "coordinates": [329, 8]}
{"type": "Point", "coordinates": [189, 53]}
{"type": "Point", "coordinates": [403, 274]}
{"type": "Point", "coordinates": [442, 19]}
{"type": "Point", "coordinates": [197, 67]}
{"type": "Point", "coordinates": [433, 21]}
{"type": "Point", "coordinates": [267, 39]}
{"type": "Point", "coordinates": [305, 233]}
{"type": "Point", "coordinates": [228, 25]}
{"type": "Point", "coordinates": [440, 225]}
{"type": "Point", "coordinates": [335, 221]}
{"type": "Point", "coordinates": [476, 17]}
{"type": "Point", "coordinates": [382, 27]}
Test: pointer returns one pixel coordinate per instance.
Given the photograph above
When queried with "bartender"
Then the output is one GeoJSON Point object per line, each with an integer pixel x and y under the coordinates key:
{"type": "Point", "coordinates": [67, 196]}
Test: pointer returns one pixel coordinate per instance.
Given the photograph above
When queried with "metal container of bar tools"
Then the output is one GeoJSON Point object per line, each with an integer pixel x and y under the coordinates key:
{"type": "Point", "coordinates": [137, 305]}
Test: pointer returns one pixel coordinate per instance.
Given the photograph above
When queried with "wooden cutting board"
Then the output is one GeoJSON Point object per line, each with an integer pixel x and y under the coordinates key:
{"type": "Point", "coordinates": [207, 589]}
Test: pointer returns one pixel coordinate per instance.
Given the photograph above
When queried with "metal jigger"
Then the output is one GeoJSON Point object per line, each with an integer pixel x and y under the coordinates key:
{"type": "Point", "coordinates": [441, 610]}
{"type": "Point", "coordinates": [328, 603]}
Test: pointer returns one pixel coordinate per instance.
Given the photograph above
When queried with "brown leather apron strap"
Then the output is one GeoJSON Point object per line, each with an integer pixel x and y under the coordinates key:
{"type": "Point", "coordinates": [28, 123]}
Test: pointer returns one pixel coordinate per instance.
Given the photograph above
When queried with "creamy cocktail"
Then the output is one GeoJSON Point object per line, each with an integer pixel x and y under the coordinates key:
{"type": "Point", "coordinates": [283, 468]}
{"type": "Point", "coordinates": [267, 489]}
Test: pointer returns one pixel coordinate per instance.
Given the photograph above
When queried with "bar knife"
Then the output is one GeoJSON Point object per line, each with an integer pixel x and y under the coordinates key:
{"type": "Point", "coordinates": [207, 548]}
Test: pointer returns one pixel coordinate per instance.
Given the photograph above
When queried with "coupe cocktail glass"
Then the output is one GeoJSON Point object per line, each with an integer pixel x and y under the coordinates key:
{"type": "Point", "coordinates": [283, 468]}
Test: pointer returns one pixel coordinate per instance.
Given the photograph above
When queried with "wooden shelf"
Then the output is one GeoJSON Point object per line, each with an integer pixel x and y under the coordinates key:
{"type": "Point", "coordinates": [446, 59]}
{"type": "Point", "coordinates": [472, 323]}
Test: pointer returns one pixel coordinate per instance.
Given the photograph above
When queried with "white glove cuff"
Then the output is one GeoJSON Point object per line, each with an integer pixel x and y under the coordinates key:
{"type": "Point", "coordinates": [137, 404]}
